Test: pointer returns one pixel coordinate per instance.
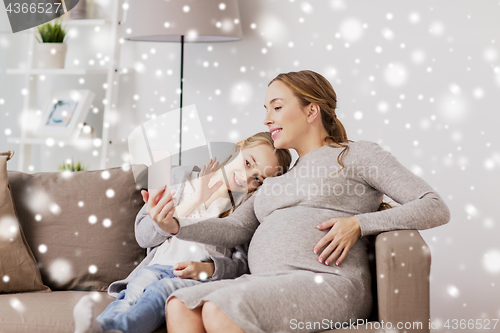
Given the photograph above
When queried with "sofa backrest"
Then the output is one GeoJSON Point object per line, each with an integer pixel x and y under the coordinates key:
{"type": "Point", "coordinates": [80, 225]}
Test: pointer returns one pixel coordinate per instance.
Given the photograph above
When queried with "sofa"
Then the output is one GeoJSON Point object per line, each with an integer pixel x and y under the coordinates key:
{"type": "Point", "coordinates": [64, 235]}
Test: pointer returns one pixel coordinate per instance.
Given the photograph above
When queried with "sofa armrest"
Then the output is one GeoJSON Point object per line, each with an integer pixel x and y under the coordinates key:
{"type": "Point", "coordinates": [403, 262]}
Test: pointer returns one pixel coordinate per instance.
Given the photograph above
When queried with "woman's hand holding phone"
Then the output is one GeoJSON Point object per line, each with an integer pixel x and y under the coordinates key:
{"type": "Point", "coordinates": [160, 207]}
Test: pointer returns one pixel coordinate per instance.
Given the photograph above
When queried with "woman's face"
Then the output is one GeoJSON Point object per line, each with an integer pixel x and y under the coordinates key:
{"type": "Point", "coordinates": [249, 169]}
{"type": "Point", "coordinates": [285, 117]}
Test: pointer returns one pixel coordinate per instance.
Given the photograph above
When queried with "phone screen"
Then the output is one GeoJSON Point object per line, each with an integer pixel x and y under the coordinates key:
{"type": "Point", "coordinates": [160, 172]}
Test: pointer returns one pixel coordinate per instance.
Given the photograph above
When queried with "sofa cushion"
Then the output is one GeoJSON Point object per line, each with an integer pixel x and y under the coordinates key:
{"type": "Point", "coordinates": [18, 269]}
{"type": "Point", "coordinates": [80, 225]}
{"type": "Point", "coordinates": [46, 312]}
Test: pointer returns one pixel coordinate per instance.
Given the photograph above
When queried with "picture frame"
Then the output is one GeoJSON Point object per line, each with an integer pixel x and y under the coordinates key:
{"type": "Point", "coordinates": [64, 114]}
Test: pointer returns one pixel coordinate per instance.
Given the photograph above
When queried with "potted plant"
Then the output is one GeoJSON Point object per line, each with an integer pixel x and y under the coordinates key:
{"type": "Point", "coordinates": [71, 166]}
{"type": "Point", "coordinates": [51, 50]}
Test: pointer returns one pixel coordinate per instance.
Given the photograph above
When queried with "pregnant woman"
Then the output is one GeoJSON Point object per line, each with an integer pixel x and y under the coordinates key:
{"type": "Point", "coordinates": [300, 271]}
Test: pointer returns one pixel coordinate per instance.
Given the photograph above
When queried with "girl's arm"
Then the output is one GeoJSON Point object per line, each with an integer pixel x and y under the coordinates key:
{"type": "Point", "coordinates": [421, 206]}
{"type": "Point", "coordinates": [202, 191]}
{"type": "Point", "coordinates": [215, 268]}
{"type": "Point", "coordinates": [186, 207]}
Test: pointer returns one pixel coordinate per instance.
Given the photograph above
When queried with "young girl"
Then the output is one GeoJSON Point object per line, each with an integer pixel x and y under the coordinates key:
{"type": "Point", "coordinates": [171, 263]}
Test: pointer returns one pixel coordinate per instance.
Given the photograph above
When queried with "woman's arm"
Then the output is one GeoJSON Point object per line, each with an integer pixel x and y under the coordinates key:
{"type": "Point", "coordinates": [230, 231]}
{"type": "Point", "coordinates": [147, 232]}
{"type": "Point", "coordinates": [421, 206]}
{"type": "Point", "coordinates": [230, 268]}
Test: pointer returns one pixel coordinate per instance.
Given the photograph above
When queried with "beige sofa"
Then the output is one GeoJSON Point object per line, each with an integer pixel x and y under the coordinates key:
{"type": "Point", "coordinates": [80, 230]}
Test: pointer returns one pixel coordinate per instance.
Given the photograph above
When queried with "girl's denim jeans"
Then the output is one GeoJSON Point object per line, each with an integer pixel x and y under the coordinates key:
{"type": "Point", "coordinates": [140, 308]}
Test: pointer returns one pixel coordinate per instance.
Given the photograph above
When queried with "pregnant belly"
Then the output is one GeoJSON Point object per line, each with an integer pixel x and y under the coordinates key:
{"type": "Point", "coordinates": [285, 240]}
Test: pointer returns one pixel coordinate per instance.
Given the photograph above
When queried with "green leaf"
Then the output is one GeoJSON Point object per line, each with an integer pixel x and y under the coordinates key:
{"type": "Point", "coordinates": [52, 32]}
{"type": "Point", "coordinates": [72, 167]}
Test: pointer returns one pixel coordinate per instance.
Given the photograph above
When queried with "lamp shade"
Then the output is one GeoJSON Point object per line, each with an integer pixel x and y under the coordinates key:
{"type": "Point", "coordinates": [196, 20]}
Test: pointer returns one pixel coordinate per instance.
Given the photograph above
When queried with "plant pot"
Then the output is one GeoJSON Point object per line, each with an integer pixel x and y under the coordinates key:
{"type": "Point", "coordinates": [51, 55]}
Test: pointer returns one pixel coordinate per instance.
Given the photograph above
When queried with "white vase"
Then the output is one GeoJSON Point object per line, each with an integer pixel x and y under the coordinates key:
{"type": "Point", "coordinates": [51, 55]}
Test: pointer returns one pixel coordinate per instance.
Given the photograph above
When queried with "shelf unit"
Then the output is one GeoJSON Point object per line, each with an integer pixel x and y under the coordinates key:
{"type": "Point", "coordinates": [25, 141]}
{"type": "Point", "coordinates": [56, 71]}
{"type": "Point", "coordinates": [58, 142]}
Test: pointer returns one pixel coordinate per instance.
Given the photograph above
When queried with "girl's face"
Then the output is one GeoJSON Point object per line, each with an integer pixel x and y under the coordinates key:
{"type": "Point", "coordinates": [249, 169]}
{"type": "Point", "coordinates": [286, 117]}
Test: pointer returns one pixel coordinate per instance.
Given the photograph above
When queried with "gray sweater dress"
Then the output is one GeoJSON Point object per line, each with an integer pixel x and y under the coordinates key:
{"type": "Point", "coordinates": [287, 284]}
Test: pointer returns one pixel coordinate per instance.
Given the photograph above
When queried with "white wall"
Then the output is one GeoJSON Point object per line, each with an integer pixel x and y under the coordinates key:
{"type": "Point", "coordinates": [420, 78]}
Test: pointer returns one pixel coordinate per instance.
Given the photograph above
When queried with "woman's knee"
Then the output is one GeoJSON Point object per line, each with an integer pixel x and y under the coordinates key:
{"type": "Point", "coordinates": [175, 308]}
{"type": "Point", "coordinates": [214, 319]}
{"type": "Point", "coordinates": [210, 314]}
{"type": "Point", "coordinates": [176, 312]}
{"type": "Point", "coordinates": [182, 319]}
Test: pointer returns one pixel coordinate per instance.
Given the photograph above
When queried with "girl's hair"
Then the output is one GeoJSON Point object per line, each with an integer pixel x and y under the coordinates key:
{"type": "Point", "coordinates": [262, 138]}
{"type": "Point", "coordinates": [311, 87]}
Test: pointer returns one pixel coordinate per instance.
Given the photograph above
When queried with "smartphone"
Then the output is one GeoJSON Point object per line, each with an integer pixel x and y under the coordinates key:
{"type": "Point", "coordinates": [160, 172]}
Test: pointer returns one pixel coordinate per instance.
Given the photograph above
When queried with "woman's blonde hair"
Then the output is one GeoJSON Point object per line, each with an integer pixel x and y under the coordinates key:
{"type": "Point", "coordinates": [311, 87]}
{"type": "Point", "coordinates": [283, 156]}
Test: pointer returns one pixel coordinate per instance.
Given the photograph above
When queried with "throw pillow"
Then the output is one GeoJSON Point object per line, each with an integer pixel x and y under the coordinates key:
{"type": "Point", "coordinates": [80, 225]}
{"type": "Point", "coordinates": [18, 269]}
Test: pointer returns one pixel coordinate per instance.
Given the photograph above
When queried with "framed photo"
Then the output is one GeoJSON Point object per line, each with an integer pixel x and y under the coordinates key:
{"type": "Point", "coordinates": [64, 113]}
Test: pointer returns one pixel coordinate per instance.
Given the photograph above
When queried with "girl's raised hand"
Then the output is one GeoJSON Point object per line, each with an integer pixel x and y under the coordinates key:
{"type": "Point", "coordinates": [160, 207]}
{"type": "Point", "coordinates": [202, 191]}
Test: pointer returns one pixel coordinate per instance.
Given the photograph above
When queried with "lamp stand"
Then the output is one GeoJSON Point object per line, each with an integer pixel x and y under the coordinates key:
{"type": "Point", "coordinates": [182, 91]}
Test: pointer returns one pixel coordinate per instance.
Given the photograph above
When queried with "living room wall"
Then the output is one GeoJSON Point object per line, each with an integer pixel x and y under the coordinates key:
{"type": "Point", "coordinates": [422, 79]}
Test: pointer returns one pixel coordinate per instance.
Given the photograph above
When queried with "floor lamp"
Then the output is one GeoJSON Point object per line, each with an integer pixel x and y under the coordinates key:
{"type": "Point", "coordinates": [182, 21]}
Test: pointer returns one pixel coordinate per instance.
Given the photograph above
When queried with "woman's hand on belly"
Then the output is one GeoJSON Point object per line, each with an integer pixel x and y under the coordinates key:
{"type": "Point", "coordinates": [343, 234]}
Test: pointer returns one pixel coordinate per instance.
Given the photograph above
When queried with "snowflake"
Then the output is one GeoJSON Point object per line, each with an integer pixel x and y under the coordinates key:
{"type": "Point", "coordinates": [491, 261]}
{"type": "Point", "coordinates": [8, 228]}
{"type": "Point", "coordinates": [92, 219]}
{"type": "Point", "coordinates": [92, 269]}
{"type": "Point", "coordinates": [106, 223]}
{"type": "Point", "coordinates": [42, 248]}
{"type": "Point", "coordinates": [60, 271]}
{"type": "Point", "coordinates": [17, 305]}
{"type": "Point", "coordinates": [453, 291]}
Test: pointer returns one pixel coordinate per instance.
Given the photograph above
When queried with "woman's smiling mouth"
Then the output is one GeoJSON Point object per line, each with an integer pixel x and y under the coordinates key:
{"type": "Point", "coordinates": [275, 132]}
